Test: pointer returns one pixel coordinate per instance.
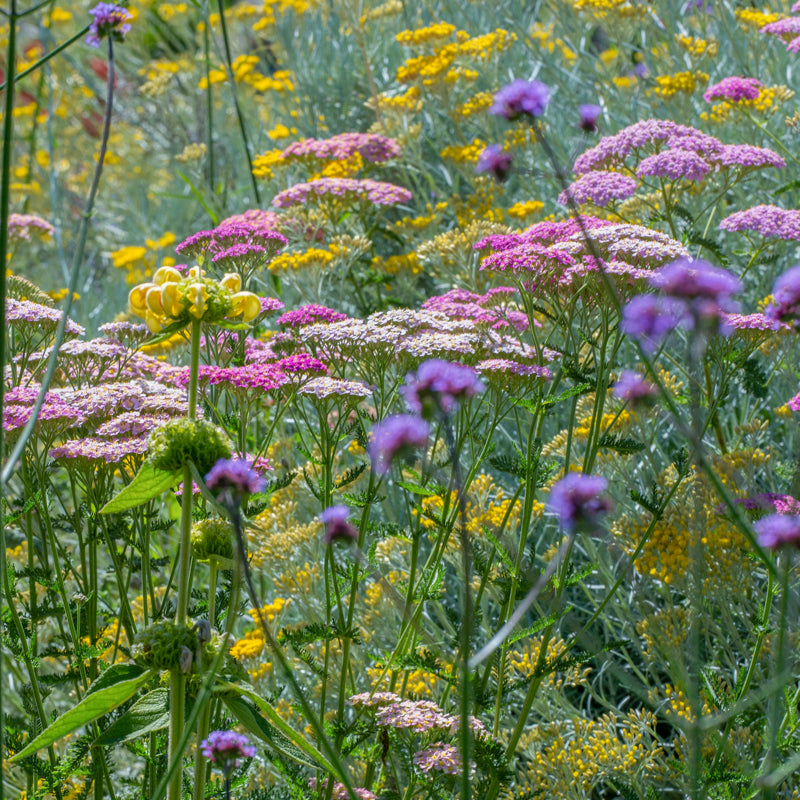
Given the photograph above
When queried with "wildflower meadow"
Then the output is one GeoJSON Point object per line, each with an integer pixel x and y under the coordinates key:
{"type": "Point", "coordinates": [400, 400]}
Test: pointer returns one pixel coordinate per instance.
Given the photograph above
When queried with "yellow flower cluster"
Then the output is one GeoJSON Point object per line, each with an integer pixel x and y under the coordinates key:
{"type": "Point", "coordinates": [244, 71]}
{"type": "Point", "coordinates": [481, 205]}
{"type": "Point", "coordinates": [270, 10]}
{"type": "Point", "coordinates": [344, 168]}
{"type": "Point", "coordinates": [526, 209]}
{"type": "Point", "coordinates": [681, 82]}
{"type": "Point", "coordinates": [394, 265]}
{"type": "Point", "coordinates": [421, 222]}
{"type": "Point", "coordinates": [468, 154]}
{"type": "Point", "coordinates": [192, 152]}
{"type": "Point", "coordinates": [171, 297]}
{"type": "Point", "coordinates": [252, 643]}
{"type": "Point", "coordinates": [410, 100]}
{"type": "Point", "coordinates": [524, 659]}
{"type": "Point", "coordinates": [391, 8]}
{"type": "Point", "coordinates": [753, 18]}
{"type": "Point", "coordinates": [697, 47]}
{"type": "Point", "coordinates": [475, 105]}
{"type": "Point", "coordinates": [768, 101]}
{"type": "Point", "coordinates": [263, 165]}
{"type": "Point", "coordinates": [483, 47]}
{"type": "Point", "coordinates": [313, 257]}
{"type": "Point", "coordinates": [664, 631]}
{"type": "Point", "coordinates": [299, 581]}
{"type": "Point", "coordinates": [420, 36]}
{"type": "Point", "coordinates": [138, 261]}
{"type": "Point", "coordinates": [603, 8]}
{"type": "Point", "coordinates": [428, 68]}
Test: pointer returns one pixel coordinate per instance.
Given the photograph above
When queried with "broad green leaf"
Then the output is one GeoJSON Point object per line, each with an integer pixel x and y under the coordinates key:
{"type": "Point", "coordinates": [148, 714]}
{"type": "Point", "coordinates": [116, 673]}
{"type": "Point", "coordinates": [415, 489]}
{"type": "Point", "coordinates": [296, 738]}
{"type": "Point", "coordinates": [92, 706]}
{"type": "Point", "coordinates": [247, 714]}
{"type": "Point", "coordinates": [148, 483]}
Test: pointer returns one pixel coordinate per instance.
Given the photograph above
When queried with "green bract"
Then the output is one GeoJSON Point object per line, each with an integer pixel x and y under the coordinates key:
{"type": "Point", "coordinates": [177, 442]}
{"type": "Point", "coordinates": [212, 537]}
{"type": "Point", "coordinates": [159, 646]}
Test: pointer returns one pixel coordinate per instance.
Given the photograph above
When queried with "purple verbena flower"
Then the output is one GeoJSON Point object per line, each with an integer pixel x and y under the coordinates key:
{"type": "Point", "coordinates": [395, 436]}
{"type": "Point", "coordinates": [227, 749]}
{"type": "Point", "coordinates": [786, 297]}
{"type": "Point", "coordinates": [649, 319]}
{"type": "Point", "coordinates": [589, 114]}
{"type": "Point", "coordinates": [697, 279]}
{"type": "Point", "coordinates": [633, 387]}
{"type": "Point", "coordinates": [439, 386]}
{"type": "Point", "coordinates": [231, 480]}
{"type": "Point", "coordinates": [495, 161]}
{"type": "Point", "coordinates": [109, 20]}
{"type": "Point", "coordinates": [521, 97]}
{"type": "Point", "coordinates": [334, 518]}
{"type": "Point", "coordinates": [778, 530]}
{"type": "Point", "coordinates": [578, 502]}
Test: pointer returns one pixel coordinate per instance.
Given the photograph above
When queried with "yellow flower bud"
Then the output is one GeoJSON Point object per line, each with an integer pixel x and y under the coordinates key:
{"type": "Point", "coordinates": [153, 301]}
{"type": "Point", "coordinates": [232, 282]}
{"type": "Point", "coordinates": [137, 298]}
{"type": "Point", "coordinates": [247, 304]}
{"type": "Point", "coordinates": [153, 322]}
{"type": "Point", "coordinates": [166, 275]}
{"type": "Point", "coordinates": [197, 295]}
{"type": "Point", "coordinates": [196, 273]}
{"type": "Point", "coordinates": [170, 299]}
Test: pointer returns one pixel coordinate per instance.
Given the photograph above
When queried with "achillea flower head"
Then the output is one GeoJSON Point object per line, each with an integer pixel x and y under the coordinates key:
{"type": "Point", "coordinates": [232, 480]}
{"type": "Point", "coordinates": [21, 226]}
{"type": "Point", "coordinates": [599, 188]}
{"type": "Point", "coordinates": [675, 165]}
{"type": "Point", "coordinates": [495, 161]}
{"type": "Point", "coordinates": [734, 89]}
{"type": "Point", "coordinates": [634, 388]}
{"type": "Point", "coordinates": [786, 297]}
{"type": "Point", "coordinates": [370, 146]}
{"type": "Point", "coordinates": [308, 315]}
{"type": "Point", "coordinates": [108, 20]}
{"type": "Point", "coordinates": [24, 311]}
{"type": "Point", "coordinates": [95, 449]}
{"type": "Point", "coordinates": [439, 387]}
{"type": "Point", "coordinates": [579, 503]}
{"type": "Point", "coordinates": [439, 757]}
{"type": "Point", "coordinates": [770, 221]}
{"type": "Point", "coordinates": [322, 388]}
{"type": "Point", "coordinates": [350, 190]}
{"type": "Point", "coordinates": [334, 518]}
{"type": "Point", "coordinates": [521, 98]}
{"type": "Point", "coordinates": [749, 156]}
{"type": "Point", "coordinates": [396, 436]}
{"type": "Point", "coordinates": [778, 530]}
{"type": "Point", "coordinates": [589, 114]}
{"type": "Point", "coordinates": [227, 749]}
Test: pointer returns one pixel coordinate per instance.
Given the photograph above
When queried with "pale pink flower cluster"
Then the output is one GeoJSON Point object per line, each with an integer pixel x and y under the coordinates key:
{"type": "Point", "coordinates": [370, 146]}
{"type": "Point", "coordinates": [351, 190]}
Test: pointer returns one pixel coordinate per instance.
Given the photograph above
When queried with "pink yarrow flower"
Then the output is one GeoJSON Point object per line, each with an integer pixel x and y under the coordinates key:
{"type": "Point", "coordinates": [734, 89]}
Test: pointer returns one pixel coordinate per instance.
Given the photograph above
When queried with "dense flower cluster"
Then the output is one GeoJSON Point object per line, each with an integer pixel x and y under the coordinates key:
{"type": "Point", "coordinates": [370, 146]}
{"type": "Point", "coordinates": [734, 89]}
{"type": "Point", "coordinates": [349, 190]}
{"type": "Point", "coordinates": [768, 220]}
{"type": "Point", "coordinates": [599, 188]}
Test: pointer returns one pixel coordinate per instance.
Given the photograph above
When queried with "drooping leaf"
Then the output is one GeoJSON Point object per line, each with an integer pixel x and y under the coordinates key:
{"type": "Point", "coordinates": [92, 706]}
{"type": "Point", "coordinates": [148, 483]}
{"type": "Point", "coordinates": [148, 714]}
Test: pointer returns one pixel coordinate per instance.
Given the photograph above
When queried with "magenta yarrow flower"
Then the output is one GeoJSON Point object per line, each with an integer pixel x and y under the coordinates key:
{"type": "Point", "coordinates": [770, 221]}
{"type": "Point", "coordinates": [579, 503]}
{"type": "Point", "coordinates": [337, 528]}
{"type": "Point", "coordinates": [778, 530]}
{"type": "Point", "coordinates": [227, 749]}
{"type": "Point", "coordinates": [674, 165]}
{"type": "Point", "coordinates": [108, 20]}
{"type": "Point", "coordinates": [308, 315]}
{"type": "Point", "coordinates": [396, 436]}
{"type": "Point", "coordinates": [440, 387]}
{"type": "Point", "coordinates": [495, 161]}
{"type": "Point", "coordinates": [734, 89]}
{"type": "Point", "coordinates": [372, 147]}
{"type": "Point", "coordinates": [350, 190]}
{"type": "Point", "coordinates": [786, 297]}
{"type": "Point", "coordinates": [521, 98]}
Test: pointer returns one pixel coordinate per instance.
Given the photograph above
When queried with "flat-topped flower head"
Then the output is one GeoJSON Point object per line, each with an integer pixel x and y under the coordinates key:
{"type": "Point", "coordinates": [347, 190]}
{"type": "Point", "coordinates": [108, 20]}
{"type": "Point", "coordinates": [398, 435]}
{"type": "Point", "coordinates": [21, 226]}
{"type": "Point", "coordinates": [495, 161]}
{"type": "Point", "coordinates": [734, 89]}
{"type": "Point", "coordinates": [579, 502]}
{"type": "Point", "coordinates": [521, 98]}
{"type": "Point", "coordinates": [227, 749]}
{"type": "Point", "coordinates": [598, 187]}
{"type": "Point", "coordinates": [772, 222]}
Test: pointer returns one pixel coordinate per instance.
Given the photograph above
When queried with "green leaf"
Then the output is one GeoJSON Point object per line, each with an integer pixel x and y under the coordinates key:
{"type": "Point", "coordinates": [292, 735]}
{"type": "Point", "coordinates": [425, 491]}
{"type": "Point", "coordinates": [148, 483]}
{"type": "Point", "coordinates": [116, 673]}
{"type": "Point", "coordinates": [581, 388]}
{"type": "Point", "coordinates": [148, 714]}
{"type": "Point", "coordinates": [92, 706]}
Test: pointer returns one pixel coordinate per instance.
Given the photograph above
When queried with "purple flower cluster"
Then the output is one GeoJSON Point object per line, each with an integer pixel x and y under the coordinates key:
{"type": "Point", "coordinates": [261, 221]}
{"type": "Point", "coordinates": [734, 89]}
{"type": "Point", "coordinates": [770, 221]}
{"type": "Point", "coordinates": [18, 311]}
{"type": "Point", "coordinates": [233, 480]}
{"type": "Point", "coordinates": [227, 749]}
{"type": "Point", "coordinates": [351, 190]}
{"type": "Point", "coordinates": [108, 20]}
{"type": "Point", "coordinates": [495, 161]}
{"type": "Point", "coordinates": [483, 309]}
{"type": "Point", "coordinates": [439, 387]}
{"type": "Point", "coordinates": [21, 226]}
{"type": "Point", "coordinates": [211, 243]}
{"type": "Point", "coordinates": [423, 716]}
{"type": "Point", "coordinates": [264, 377]}
{"type": "Point", "coordinates": [674, 165]}
{"type": "Point", "coordinates": [579, 503]}
{"type": "Point", "coordinates": [308, 315]}
{"type": "Point", "coordinates": [521, 98]}
{"type": "Point", "coordinates": [785, 306]}
{"type": "Point", "coordinates": [599, 188]}
{"type": "Point", "coordinates": [101, 450]}
{"type": "Point", "coordinates": [440, 757]}
{"type": "Point", "coordinates": [322, 388]}
{"type": "Point", "coordinates": [18, 407]}
{"type": "Point", "coordinates": [339, 791]}
{"type": "Point", "coordinates": [398, 435]}
{"type": "Point", "coordinates": [788, 30]}
{"type": "Point", "coordinates": [337, 527]}
{"type": "Point", "coordinates": [302, 363]}
{"type": "Point", "coordinates": [370, 146]}
{"type": "Point", "coordinates": [778, 530]}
